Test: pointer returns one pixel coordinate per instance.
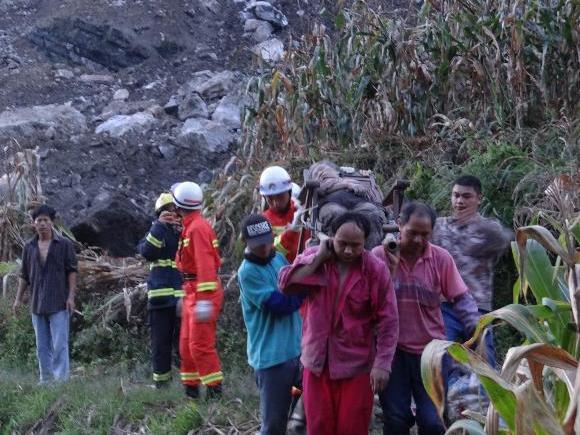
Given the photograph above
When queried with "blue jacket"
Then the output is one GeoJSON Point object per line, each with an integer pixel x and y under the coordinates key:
{"type": "Point", "coordinates": [159, 247]}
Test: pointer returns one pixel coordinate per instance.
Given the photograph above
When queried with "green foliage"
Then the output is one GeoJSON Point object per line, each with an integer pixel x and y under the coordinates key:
{"type": "Point", "coordinates": [16, 337]}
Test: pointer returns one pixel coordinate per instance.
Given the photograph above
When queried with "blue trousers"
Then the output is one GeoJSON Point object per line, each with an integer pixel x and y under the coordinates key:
{"type": "Point", "coordinates": [405, 382]}
{"type": "Point", "coordinates": [454, 331]}
{"type": "Point", "coordinates": [275, 387]}
{"type": "Point", "coordinates": [51, 331]}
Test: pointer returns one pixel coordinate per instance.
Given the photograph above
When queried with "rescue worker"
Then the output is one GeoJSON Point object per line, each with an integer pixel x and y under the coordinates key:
{"type": "Point", "coordinates": [198, 261]}
{"type": "Point", "coordinates": [164, 286]}
{"type": "Point", "coordinates": [283, 213]}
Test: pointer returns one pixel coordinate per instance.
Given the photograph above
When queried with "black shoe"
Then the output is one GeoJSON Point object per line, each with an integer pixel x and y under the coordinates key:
{"type": "Point", "coordinates": [214, 392]}
{"type": "Point", "coordinates": [192, 391]}
{"type": "Point", "coordinates": [159, 385]}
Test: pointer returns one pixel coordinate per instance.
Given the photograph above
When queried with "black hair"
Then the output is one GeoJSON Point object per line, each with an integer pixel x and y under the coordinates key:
{"type": "Point", "coordinates": [419, 209]}
{"type": "Point", "coordinates": [358, 219]}
{"type": "Point", "coordinates": [43, 210]}
{"type": "Point", "coordinates": [469, 181]}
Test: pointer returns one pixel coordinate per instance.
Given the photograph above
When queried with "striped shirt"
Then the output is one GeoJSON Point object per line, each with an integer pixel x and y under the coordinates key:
{"type": "Point", "coordinates": [48, 282]}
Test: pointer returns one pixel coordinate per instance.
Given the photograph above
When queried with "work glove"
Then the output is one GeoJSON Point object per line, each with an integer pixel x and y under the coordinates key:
{"type": "Point", "coordinates": [203, 311]}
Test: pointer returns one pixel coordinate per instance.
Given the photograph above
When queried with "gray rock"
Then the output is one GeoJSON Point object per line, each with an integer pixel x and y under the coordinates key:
{"type": "Point", "coordinates": [209, 85]}
{"type": "Point", "coordinates": [64, 74]}
{"type": "Point", "coordinates": [263, 31]}
{"type": "Point", "coordinates": [251, 24]}
{"type": "Point", "coordinates": [113, 222]}
{"type": "Point", "coordinates": [229, 109]}
{"type": "Point", "coordinates": [205, 135]}
{"type": "Point", "coordinates": [167, 151]}
{"type": "Point", "coordinates": [119, 125]}
{"type": "Point", "coordinates": [97, 78]}
{"type": "Point", "coordinates": [172, 106]}
{"type": "Point", "coordinates": [192, 106]}
{"type": "Point", "coordinates": [266, 12]}
{"type": "Point", "coordinates": [26, 121]}
{"type": "Point", "coordinates": [210, 5]}
{"type": "Point", "coordinates": [271, 50]}
{"type": "Point", "coordinates": [121, 94]}
{"type": "Point", "coordinates": [77, 40]}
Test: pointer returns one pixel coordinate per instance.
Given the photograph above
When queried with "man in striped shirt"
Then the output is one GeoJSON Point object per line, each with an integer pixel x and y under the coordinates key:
{"type": "Point", "coordinates": [49, 269]}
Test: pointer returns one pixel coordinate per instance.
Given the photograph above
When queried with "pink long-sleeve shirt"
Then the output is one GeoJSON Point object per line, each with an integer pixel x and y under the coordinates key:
{"type": "Point", "coordinates": [350, 330]}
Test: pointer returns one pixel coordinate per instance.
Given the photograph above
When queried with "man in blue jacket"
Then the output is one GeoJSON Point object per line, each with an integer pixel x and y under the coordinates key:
{"type": "Point", "coordinates": [164, 286]}
{"type": "Point", "coordinates": [273, 324]}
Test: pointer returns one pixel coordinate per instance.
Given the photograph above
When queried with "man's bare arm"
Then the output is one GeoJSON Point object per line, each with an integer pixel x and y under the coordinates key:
{"type": "Point", "coordinates": [22, 286]}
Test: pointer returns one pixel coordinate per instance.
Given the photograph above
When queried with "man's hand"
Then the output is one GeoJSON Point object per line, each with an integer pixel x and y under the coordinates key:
{"type": "Point", "coordinates": [379, 379]}
{"type": "Point", "coordinates": [325, 250]}
{"type": "Point", "coordinates": [16, 306]}
{"type": "Point", "coordinates": [168, 217]}
{"type": "Point", "coordinates": [70, 304]}
{"type": "Point", "coordinates": [296, 224]}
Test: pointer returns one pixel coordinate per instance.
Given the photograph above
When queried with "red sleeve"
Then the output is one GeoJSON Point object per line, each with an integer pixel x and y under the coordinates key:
{"type": "Point", "coordinates": [387, 321]}
{"type": "Point", "coordinates": [205, 259]}
{"type": "Point", "coordinates": [308, 283]}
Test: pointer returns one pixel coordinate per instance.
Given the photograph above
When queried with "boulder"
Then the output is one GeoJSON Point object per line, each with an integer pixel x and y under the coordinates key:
{"type": "Point", "coordinates": [119, 125]}
{"type": "Point", "coordinates": [229, 109]}
{"type": "Point", "coordinates": [102, 79]}
{"type": "Point", "coordinates": [121, 94]}
{"type": "Point", "coordinates": [263, 31]}
{"type": "Point", "coordinates": [266, 12]}
{"type": "Point", "coordinates": [26, 121]}
{"type": "Point", "coordinates": [271, 50]}
{"type": "Point", "coordinates": [77, 40]}
{"type": "Point", "coordinates": [192, 106]}
{"type": "Point", "coordinates": [209, 85]}
{"type": "Point", "coordinates": [205, 135]}
{"type": "Point", "coordinates": [113, 223]}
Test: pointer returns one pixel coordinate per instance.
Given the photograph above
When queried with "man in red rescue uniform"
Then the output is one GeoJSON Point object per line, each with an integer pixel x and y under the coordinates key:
{"type": "Point", "coordinates": [276, 187]}
{"type": "Point", "coordinates": [198, 261]}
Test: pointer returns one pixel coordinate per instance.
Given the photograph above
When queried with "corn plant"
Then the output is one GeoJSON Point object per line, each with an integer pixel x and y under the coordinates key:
{"type": "Point", "coordinates": [537, 390]}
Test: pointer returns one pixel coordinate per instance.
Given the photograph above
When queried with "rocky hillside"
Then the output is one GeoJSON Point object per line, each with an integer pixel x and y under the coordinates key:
{"type": "Point", "coordinates": [123, 98]}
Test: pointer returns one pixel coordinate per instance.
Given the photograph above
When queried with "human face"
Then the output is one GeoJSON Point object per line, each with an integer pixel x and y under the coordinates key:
{"type": "Point", "coordinates": [465, 201]}
{"type": "Point", "coordinates": [280, 202]}
{"type": "Point", "coordinates": [349, 242]}
{"type": "Point", "coordinates": [43, 226]}
{"type": "Point", "coordinates": [262, 251]}
{"type": "Point", "coordinates": [415, 234]}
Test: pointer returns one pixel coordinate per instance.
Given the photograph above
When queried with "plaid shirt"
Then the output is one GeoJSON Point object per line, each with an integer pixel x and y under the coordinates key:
{"type": "Point", "coordinates": [475, 246]}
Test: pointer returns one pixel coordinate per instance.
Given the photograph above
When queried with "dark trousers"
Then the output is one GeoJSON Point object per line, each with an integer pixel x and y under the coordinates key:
{"type": "Point", "coordinates": [164, 325]}
{"type": "Point", "coordinates": [275, 387]}
{"type": "Point", "coordinates": [405, 382]}
{"type": "Point", "coordinates": [454, 331]}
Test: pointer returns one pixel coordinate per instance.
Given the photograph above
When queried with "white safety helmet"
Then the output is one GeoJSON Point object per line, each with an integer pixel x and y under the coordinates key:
{"type": "Point", "coordinates": [275, 180]}
{"type": "Point", "coordinates": [188, 195]}
{"type": "Point", "coordinates": [296, 189]}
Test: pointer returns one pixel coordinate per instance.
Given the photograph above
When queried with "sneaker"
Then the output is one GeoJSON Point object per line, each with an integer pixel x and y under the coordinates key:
{"type": "Point", "coordinates": [192, 391]}
{"type": "Point", "coordinates": [214, 392]}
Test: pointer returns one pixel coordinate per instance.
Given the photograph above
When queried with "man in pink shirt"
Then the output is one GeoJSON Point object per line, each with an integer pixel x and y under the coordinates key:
{"type": "Point", "coordinates": [423, 275]}
{"type": "Point", "coordinates": [350, 327]}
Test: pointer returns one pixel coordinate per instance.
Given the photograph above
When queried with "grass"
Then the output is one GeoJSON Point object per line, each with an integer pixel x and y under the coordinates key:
{"type": "Point", "coordinates": [115, 401]}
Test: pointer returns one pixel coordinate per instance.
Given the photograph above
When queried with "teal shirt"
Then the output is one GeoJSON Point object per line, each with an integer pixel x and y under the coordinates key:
{"type": "Point", "coordinates": [272, 339]}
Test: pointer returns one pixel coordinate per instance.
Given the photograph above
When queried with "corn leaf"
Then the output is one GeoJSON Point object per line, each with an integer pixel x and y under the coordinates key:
{"type": "Point", "coordinates": [521, 318]}
{"type": "Point", "coordinates": [469, 427]}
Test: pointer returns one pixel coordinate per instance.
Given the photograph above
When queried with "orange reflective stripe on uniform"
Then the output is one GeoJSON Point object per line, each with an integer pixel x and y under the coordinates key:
{"type": "Point", "coordinates": [207, 286]}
